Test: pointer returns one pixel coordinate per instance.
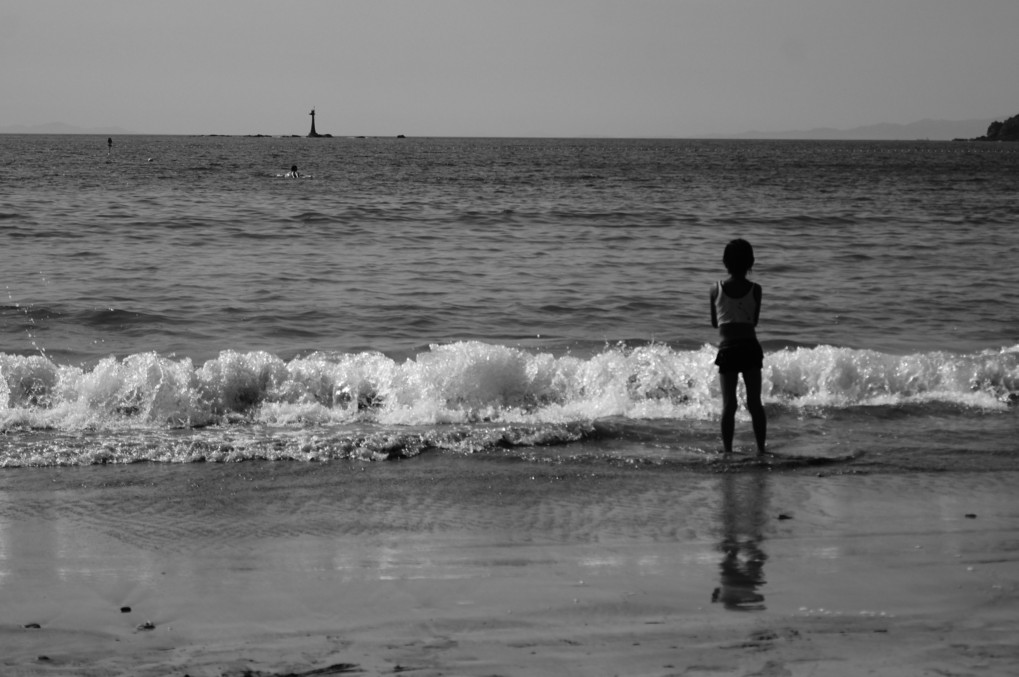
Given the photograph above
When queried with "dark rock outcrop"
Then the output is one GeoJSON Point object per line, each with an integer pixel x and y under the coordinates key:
{"type": "Point", "coordinates": [1002, 131]}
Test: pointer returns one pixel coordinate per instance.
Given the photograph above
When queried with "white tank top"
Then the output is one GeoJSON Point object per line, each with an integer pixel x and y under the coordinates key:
{"type": "Point", "coordinates": [731, 310]}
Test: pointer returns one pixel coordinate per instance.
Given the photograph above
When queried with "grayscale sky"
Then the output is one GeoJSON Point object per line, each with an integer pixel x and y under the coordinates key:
{"type": "Point", "coordinates": [504, 68]}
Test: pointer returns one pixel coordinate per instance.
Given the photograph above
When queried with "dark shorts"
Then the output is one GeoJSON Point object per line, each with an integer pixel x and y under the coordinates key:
{"type": "Point", "coordinates": [740, 357]}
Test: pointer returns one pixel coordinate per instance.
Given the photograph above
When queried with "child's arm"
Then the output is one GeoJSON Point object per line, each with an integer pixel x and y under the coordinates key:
{"type": "Point", "coordinates": [757, 297]}
{"type": "Point", "coordinates": [714, 313]}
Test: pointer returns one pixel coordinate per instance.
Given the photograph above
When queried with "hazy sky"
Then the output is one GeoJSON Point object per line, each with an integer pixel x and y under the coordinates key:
{"type": "Point", "coordinates": [506, 67]}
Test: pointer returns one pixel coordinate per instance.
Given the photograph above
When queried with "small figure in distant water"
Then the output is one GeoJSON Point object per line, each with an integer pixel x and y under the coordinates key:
{"type": "Point", "coordinates": [735, 310]}
{"type": "Point", "coordinates": [109, 145]}
{"type": "Point", "coordinates": [293, 174]}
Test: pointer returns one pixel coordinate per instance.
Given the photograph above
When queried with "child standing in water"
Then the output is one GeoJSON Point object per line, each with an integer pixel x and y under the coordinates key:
{"type": "Point", "coordinates": [735, 309]}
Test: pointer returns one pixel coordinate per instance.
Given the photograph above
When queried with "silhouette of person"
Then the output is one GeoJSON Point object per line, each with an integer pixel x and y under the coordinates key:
{"type": "Point", "coordinates": [292, 174]}
{"type": "Point", "coordinates": [744, 499]}
{"type": "Point", "coordinates": [109, 145]}
{"type": "Point", "coordinates": [735, 310]}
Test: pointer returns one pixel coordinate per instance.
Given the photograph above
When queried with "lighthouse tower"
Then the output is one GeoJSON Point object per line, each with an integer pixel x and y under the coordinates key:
{"type": "Point", "coordinates": [313, 133]}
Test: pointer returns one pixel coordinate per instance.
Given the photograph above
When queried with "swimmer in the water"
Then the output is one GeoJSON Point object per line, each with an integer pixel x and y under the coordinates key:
{"type": "Point", "coordinates": [293, 173]}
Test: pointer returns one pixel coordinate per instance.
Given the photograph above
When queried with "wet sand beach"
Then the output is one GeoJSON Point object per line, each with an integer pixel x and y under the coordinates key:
{"type": "Point", "coordinates": [425, 568]}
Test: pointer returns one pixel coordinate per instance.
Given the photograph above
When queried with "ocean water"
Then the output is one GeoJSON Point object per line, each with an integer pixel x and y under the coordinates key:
{"type": "Point", "coordinates": [177, 300]}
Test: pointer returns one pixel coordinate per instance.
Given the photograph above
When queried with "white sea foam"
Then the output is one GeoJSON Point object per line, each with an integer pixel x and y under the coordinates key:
{"type": "Point", "coordinates": [473, 382]}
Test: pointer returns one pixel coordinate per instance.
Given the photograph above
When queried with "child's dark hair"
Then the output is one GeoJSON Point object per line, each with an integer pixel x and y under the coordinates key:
{"type": "Point", "coordinates": [738, 256]}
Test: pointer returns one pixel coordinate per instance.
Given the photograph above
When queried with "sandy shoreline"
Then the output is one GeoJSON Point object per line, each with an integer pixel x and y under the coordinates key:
{"type": "Point", "coordinates": [282, 570]}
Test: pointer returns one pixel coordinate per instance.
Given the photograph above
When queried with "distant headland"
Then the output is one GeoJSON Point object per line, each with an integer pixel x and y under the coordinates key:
{"type": "Point", "coordinates": [927, 129]}
{"type": "Point", "coordinates": [63, 128]}
{"type": "Point", "coordinates": [1002, 131]}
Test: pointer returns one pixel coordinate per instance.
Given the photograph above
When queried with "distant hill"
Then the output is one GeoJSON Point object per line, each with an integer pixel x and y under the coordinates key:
{"type": "Point", "coordinates": [934, 130]}
{"type": "Point", "coordinates": [61, 128]}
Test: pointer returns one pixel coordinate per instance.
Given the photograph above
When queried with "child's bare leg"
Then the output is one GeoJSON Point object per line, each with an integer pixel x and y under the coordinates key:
{"type": "Point", "coordinates": [728, 381]}
{"type": "Point", "coordinates": [752, 380]}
